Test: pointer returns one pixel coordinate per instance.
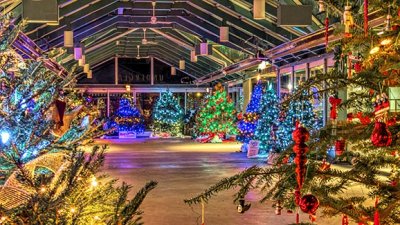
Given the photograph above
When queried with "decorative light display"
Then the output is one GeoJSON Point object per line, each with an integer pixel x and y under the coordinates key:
{"type": "Point", "coordinates": [248, 123]}
{"type": "Point", "coordinates": [217, 116]}
{"type": "Point", "coordinates": [267, 124]}
{"type": "Point", "coordinates": [5, 136]}
{"type": "Point", "coordinates": [128, 117]}
{"type": "Point", "coordinates": [300, 110]}
{"type": "Point", "coordinates": [43, 157]}
{"type": "Point", "coordinates": [167, 115]}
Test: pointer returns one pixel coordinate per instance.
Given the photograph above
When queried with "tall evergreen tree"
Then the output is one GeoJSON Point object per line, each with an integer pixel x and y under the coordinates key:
{"type": "Point", "coordinates": [128, 116]}
{"type": "Point", "coordinates": [46, 177]}
{"type": "Point", "coordinates": [367, 190]}
{"type": "Point", "coordinates": [168, 115]}
{"type": "Point", "coordinates": [218, 114]}
{"type": "Point", "coordinates": [267, 123]}
{"type": "Point", "coordinates": [300, 110]}
{"type": "Point", "coordinates": [248, 123]}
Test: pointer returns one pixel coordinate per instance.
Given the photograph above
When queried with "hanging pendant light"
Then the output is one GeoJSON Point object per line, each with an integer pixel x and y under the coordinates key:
{"type": "Point", "coordinates": [89, 75]}
{"type": "Point", "coordinates": [321, 6]}
{"type": "Point", "coordinates": [224, 34]}
{"type": "Point", "coordinates": [173, 71]}
{"type": "Point", "coordinates": [82, 61]}
{"type": "Point", "coordinates": [193, 56]}
{"type": "Point", "coordinates": [182, 64]}
{"type": "Point", "coordinates": [86, 68]}
{"type": "Point", "coordinates": [68, 39]}
{"type": "Point", "coordinates": [258, 9]}
{"type": "Point", "coordinates": [78, 52]}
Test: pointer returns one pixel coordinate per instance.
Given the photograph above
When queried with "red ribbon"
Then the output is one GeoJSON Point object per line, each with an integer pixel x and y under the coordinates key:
{"type": "Point", "coordinates": [376, 215]}
{"type": "Point", "coordinates": [345, 220]}
{"type": "Point", "coordinates": [334, 102]}
{"type": "Point", "coordinates": [326, 31]}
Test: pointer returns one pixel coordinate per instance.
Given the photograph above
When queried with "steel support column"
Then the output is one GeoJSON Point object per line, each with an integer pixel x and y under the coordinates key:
{"type": "Point", "coordinates": [116, 70]}
{"type": "Point", "coordinates": [152, 70]}
{"type": "Point", "coordinates": [108, 103]}
{"type": "Point", "coordinates": [247, 89]}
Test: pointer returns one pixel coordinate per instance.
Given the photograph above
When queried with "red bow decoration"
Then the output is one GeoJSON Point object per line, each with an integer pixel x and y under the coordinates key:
{"type": "Point", "coordinates": [334, 102]}
{"type": "Point", "coordinates": [376, 214]}
{"type": "Point", "coordinates": [365, 120]}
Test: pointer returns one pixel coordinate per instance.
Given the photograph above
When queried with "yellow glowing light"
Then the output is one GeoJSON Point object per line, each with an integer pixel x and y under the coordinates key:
{"type": "Point", "coordinates": [72, 210]}
{"type": "Point", "coordinates": [374, 50]}
{"type": "Point", "coordinates": [263, 65]}
{"type": "Point", "coordinates": [258, 76]}
{"type": "Point", "coordinates": [96, 218]}
{"type": "Point", "coordinates": [198, 94]}
{"type": "Point", "coordinates": [94, 182]}
{"type": "Point", "coordinates": [42, 189]}
{"type": "Point", "coordinates": [3, 218]}
{"type": "Point", "coordinates": [386, 41]}
{"type": "Point", "coordinates": [289, 86]}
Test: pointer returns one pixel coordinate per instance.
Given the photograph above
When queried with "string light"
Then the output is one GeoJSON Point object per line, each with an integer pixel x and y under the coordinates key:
{"type": "Point", "coordinates": [94, 182]}
{"type": "Point", "coordinates": [290, 86]}
{"type": "Point", "coordinates": [5, 136]}
{"type": "Point", "coordinates": [42, 189]}
{"type": "Point", "coordinates": [374, 50]}
{"type": "Point", "coordinates": [386, 41]}
{"type": "Point", "coordinates": [72, 210]}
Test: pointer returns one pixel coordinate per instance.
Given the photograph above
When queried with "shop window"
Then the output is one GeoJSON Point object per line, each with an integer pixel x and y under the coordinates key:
{"type": "Point", "coordinates": [285, 84]}
{"type": "Point", "coordinates": [317, 98]}
{"type": "Point", "coordinates": [299, 76]}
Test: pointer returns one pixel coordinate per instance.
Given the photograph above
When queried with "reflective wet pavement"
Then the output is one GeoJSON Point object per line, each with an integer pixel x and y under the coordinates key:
{"type": "Point", "coordinates": [183, 169]}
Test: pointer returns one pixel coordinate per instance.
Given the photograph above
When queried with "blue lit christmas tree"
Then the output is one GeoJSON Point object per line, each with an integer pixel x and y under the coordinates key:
{"type": "Point", "coordinates": [299, 110]}
{"type": "Point", "coordinates": [248, 123]}
{"type": "Point", "coordinates": [128, 117]}
{"type": "Point", "coordinates": [265, 132]}
{"type": "Point", "coordinates": [167, 115]}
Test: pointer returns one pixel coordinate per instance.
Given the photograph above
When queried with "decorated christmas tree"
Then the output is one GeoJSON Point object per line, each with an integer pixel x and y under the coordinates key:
{"type": "Point", "coordinates": [128, 117]}
{"type": "Point", "coordinates": [47, 174]}
{"type": "Point", "coordinates": [167, 115]}
{"type": "Point", "coordinates": [217, 116]}
{"type": "Point", "coordinates": [300, 110]}
{"type": "Point", "coordinates": [366, 190]}
{"type": "Point", "coordinates": [247, 123]}
{"type": "Point", "coordinates": [268, 121]}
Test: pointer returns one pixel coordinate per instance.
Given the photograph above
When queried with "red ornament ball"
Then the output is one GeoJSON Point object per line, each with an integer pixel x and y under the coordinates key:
{"type": "Point", "coordinates": [300, 135]}
{"type": "Point", "coordinates": [340, 147]}
{"type": "Point", "coordinates": [357, 67]}
{"type": "Point", "coordinates": [309, 204]}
